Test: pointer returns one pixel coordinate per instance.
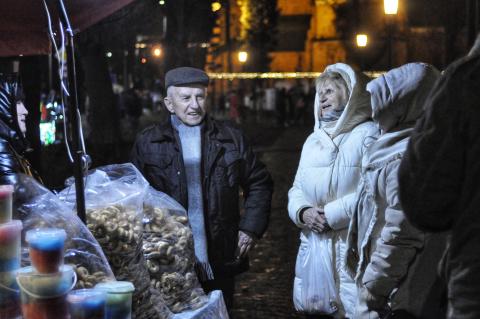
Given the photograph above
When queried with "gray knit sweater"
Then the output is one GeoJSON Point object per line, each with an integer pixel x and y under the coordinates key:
{"type": "Point", "coordinates": [191, 140]}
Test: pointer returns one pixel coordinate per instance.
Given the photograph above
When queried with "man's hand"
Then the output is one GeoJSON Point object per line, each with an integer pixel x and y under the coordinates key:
{"type": "Point", "coordinates": [314, 219]}
{"type": "Point", "coordinates": [245, 243]}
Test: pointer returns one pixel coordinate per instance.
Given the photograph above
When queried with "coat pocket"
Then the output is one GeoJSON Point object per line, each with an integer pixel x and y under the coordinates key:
{"type": "Point", "coordinates": [228, 170]}
{"type": "Point", "coordinates": [159, 162]}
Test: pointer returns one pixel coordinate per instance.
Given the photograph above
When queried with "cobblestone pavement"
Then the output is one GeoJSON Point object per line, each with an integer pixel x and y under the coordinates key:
{"type": "Point", "coordinates": [266, 290]}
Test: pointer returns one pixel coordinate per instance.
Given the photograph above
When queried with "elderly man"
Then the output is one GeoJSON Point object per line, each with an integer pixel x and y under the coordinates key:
{"type": "Point", "coordinates": [201, 163]}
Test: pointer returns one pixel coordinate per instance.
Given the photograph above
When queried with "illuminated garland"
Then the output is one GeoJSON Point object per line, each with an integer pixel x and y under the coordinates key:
{"type": "Point", "coordinates": [275, 75]}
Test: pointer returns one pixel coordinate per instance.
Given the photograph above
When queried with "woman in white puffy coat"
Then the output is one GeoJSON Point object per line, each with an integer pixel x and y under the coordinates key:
{"type": "Point", "coordinates": [329, 171]}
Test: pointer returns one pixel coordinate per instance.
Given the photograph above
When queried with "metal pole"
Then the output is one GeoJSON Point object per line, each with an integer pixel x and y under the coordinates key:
{"type": "Point", "coordinates": [228, 41]}
{"type": "Point", "coordinates": [227, 36]}
{"type": "Point", "coordinates": [50, 73]}
{"type": "Point", "coordinates": [389, 26]}
{"type": "Point", "coordinates": [75, 121]}
{"type": "Point", "coordinates": [389, 47]}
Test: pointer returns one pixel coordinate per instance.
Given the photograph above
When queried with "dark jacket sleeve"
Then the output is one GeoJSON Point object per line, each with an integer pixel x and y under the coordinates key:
{"type": "Point", "coordinates": [8, 165]}
{"type": "Point", "coordinates": [431, 174]}
{"type": "Point", "coordinates": [257, 186]}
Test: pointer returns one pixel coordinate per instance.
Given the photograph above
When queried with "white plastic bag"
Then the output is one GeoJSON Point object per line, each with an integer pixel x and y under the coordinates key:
{"type": "Point", "coordinates": [314, 288]}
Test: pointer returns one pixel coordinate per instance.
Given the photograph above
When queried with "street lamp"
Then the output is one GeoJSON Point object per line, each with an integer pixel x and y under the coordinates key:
{"type": "Point", "coordinates": [362, 40]}
{"type": "Point", "coordinates": [390, 8]}
{"type": "Point", "coordinates": [157, 52]}
{"type": "Point", "coordinates": [242, 56]}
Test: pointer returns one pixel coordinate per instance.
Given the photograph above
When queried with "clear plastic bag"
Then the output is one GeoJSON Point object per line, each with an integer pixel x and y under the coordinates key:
{"type": "Point", "coordinates": [314, 287]}
{"type": "Point", "coordinates": [37, 207]}
{"type": "Point", "coordinates": [169, 253]}
{"type": "Point", "coordinates": [114, 202]}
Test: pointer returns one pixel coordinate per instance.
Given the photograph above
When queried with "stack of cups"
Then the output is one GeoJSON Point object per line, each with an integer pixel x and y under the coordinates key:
{"type": "Point", "coordinates": [44, 286]}
{"type": "Point", "coordinates": [10, 240]}
{"type": "Point", "coordinates": [118, 299]}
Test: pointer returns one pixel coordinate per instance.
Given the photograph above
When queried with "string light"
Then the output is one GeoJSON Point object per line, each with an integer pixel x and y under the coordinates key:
{"type": "Point", "coordinates": [216, 6]}
{"type": "Point", "coordinates": [274, 75]}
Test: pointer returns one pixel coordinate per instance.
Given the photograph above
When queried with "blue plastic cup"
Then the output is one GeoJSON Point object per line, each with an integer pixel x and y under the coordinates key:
{"type": "Point", "coordinates": [118, 302]}
{"type": "Point", "coordinates": [46, 248]}
{"type": "Point", "coordinates": [86, 304]}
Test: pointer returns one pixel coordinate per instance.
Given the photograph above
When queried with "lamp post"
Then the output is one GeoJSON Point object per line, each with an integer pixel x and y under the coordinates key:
{"type": "Point", "coordinates": [242, 57]}
{"type": "Point", "coordinates": [157, 51]}
{"type": "Point", "coordinates": [390, 8]}
{"type": "Point", "coordinates": [362, 41]}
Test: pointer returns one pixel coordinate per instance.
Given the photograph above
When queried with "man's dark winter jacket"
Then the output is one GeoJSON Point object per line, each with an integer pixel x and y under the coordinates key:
{"type": "Point", "coordinates": [439, 179]}
{"type": "Point", "coordinates": [228, 163]}
{"type": "Point", "coordinates": [12, 142]}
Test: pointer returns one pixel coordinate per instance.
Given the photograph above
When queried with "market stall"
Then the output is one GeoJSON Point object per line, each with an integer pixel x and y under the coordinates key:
{"type": "Point", "coordinates": [108, 246]}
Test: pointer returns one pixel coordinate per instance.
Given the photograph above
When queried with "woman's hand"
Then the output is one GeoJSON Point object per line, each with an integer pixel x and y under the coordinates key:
{"type": "Point", "coordinates": [314, 219]}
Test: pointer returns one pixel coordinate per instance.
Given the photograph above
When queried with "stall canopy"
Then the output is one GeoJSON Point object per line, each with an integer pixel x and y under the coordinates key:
{"type": "Point", "coordinates": [24, 27]}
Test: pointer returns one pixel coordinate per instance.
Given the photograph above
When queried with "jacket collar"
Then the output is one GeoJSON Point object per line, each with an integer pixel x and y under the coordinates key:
{"type": "Point", "coordinates": [165, 132]}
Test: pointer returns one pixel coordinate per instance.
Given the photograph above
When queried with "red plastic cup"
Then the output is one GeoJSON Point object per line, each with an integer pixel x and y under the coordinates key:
{"type": "Point", "coordinates": [10, 238]}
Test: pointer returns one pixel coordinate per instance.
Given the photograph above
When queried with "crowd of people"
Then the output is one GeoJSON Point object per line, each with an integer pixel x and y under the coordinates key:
{"type": "Point", "coordinates": [387, 185]}
{"type": "Point", "coordinates": [283, 104]}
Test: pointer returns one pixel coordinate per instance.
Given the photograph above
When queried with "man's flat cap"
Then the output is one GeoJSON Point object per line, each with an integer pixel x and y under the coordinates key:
{"type": "Point", "coordinates": [185, 75]}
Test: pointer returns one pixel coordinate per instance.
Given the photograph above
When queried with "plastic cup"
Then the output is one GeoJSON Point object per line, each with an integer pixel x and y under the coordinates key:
{"type": "Point", "coordinates": [86, 304]}
{"type": "Point", "coordinates": [118, 302]}
{"type": "Point", "coordinates": [46, 248]}
{"type": "Point", "coordinates": [10, 249]}
{"type": "Point", "coordinates": [44, 296]}
{"type": "Point", "coordinates": [6, 192]}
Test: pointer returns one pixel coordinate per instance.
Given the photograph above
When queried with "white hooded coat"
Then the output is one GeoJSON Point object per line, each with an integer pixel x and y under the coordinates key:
{"type": "Point", "coordinates": [392, 260]}
{"type": "Point", "coordinates": [328, 174]}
